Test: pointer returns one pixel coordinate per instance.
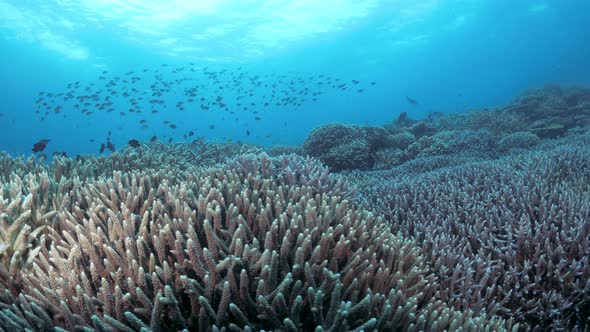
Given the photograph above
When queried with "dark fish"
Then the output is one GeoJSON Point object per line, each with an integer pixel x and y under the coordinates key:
{"type": "Point", "coordinates": [134, 143]}
{"type": "Point", "coordinates": [154, 138]}
{"type": "Point", "coordinates": [257, 118]}
{"type": "Point", "coordinates": [247, 132]}
{"type": "Point", "coordinates": [40, 146]}
{"type": "Point", "coordinates": [102, 146]}
{"type": "Point", "coordinates": [191, 133]}
{"type": "Point", "coordinates": [412, 100]}
{"type": "Point", "coordinates": [173, 126]}
{"type": "Point", "coordinates": [212, 126]}
{"type": "Point", "coordinates": [111, 146]}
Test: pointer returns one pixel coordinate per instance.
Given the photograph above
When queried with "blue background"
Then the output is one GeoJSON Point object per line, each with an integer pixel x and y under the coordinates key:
{"type": "Point", "coordinates": [451, 56]}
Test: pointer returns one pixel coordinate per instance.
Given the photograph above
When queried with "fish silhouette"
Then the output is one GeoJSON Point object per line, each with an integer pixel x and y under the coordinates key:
{"type": "Point", "coordinates": [412, 100]}
{"type": "Point", "coordinates": [40, 146]}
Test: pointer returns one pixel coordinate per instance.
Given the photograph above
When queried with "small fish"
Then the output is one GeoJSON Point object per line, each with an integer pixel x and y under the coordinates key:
{"type": "Point", "coordinates": [257, 118]}
{"type": "Point", "coordinates": [212, 126]}
{"type": "Point", "coordinates": [134, 143]}
{"type": "Point", "coordinates": [191, 133]}
{"type": "Point", "coordinates": [102, 147]}
{"type": "Point", "coordinates": [412, 100]}
{"type": "Point", "coordinates": [154, 138]}
{"type": "Point", "coordinates": [247, 132]}
{"type": "Point", "coordinates": [173, 126]}
{"type": "Point", "coordinates": [40, 146]}
{"type": "Point", "coordinates": [111, 146]}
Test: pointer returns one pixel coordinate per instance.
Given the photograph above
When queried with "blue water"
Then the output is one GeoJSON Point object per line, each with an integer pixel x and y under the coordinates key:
{"type": "Point", "coordinates": [451, 56]}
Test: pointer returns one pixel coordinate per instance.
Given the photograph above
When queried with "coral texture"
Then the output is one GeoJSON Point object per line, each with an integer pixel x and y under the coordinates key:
{"type": "Point", "coordinates": [508, 237]}
{"type": "Point", "coordinates": [256, 243]}
{"type": "Point", "coordinates": [346, 147]}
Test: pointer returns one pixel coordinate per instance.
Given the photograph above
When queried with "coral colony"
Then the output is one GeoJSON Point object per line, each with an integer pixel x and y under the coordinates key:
{"type": "Point", "coordinates": [475, 222]}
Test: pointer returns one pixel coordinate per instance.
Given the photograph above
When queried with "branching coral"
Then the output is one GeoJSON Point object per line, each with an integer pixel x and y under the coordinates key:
{"type": "Point", "coordinates": [508, 237]}
{"type": "Point", "coordinates": [257, 244]}
{"type": "Point", "coordinates": [346, 147]}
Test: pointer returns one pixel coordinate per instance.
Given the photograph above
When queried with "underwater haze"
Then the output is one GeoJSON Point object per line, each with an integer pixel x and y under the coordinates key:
{"type": "Point", "coordinates": [451, 56]}
{"type": "Point", "coordinates": [295, 165]}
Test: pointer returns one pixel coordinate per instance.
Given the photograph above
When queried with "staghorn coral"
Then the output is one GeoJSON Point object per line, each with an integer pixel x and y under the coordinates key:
{"type": "Point", "coordinates": [388, 158]}
{"type": "Point", "coordinates": [509, 237]}
{"type": "Point", "coordinates": [497, 122]}
{"type": "Point", "coordinates": [518, 140]}
{"type": "Point", "coordinates": [27, 207]}
{"type": "Point", "coordinates": [293, 170]}
{"type": "Point", "coordinates": [153, 155]}
{"type": "Point", "coordinates": [20, 166]}
{"type": "Point", "coordinates": [427, 146]}
{"type": "Point", "coordinates": [477, 143]}
{"type": "Point", "coordinates": [278, 150]}
{"type": "Point", "coordinates": [250, 248]}
{"type": "Point", "coordinates": [402, 140]}
{"type": "Point", "coordinates": [346, 147]}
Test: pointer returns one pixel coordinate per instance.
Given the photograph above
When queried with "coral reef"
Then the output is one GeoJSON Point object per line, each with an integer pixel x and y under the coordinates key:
{"type": "Point", "coordinates": [345, 147]}
{"type": "Point", "coordinates": [552, 110]}
{"type": "Point", "coordinates": [508, 237]}
{"type": "Point", "coordinates": [518, 140]}
{"type": "Point", "coordinates": [255, 243]}
{"type": "Point", "coordinates": [472, 222]}
{"type": "Point", "coordinates": [535, 115]}
{"type": "Point", "coordinates": [278, 150]}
